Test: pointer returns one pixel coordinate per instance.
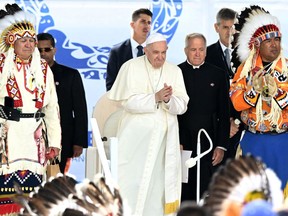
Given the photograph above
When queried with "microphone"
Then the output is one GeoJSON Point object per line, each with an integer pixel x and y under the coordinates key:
{"type": "Point", "coordinates": [192, 161]}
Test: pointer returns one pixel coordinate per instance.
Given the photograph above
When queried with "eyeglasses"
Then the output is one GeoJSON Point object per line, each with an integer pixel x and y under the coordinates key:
{"type": "Point", "coordinates": [46, 49]}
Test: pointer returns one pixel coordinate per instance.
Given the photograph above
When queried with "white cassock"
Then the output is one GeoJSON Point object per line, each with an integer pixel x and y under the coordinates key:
{"type": "Point", "coordinates": [149, 162]}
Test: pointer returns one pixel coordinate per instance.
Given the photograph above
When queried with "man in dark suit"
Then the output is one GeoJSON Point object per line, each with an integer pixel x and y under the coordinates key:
{"type": "Point", "coordinates": [219, 54]}
{"type": "Point", "coordinates": [130, 48]}
{"type": "Point", "coordinates": [207, 89]}
{"type": "Point", "coordinates": [72, 102]}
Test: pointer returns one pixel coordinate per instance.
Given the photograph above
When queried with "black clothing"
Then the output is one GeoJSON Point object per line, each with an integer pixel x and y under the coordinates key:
{"type": "Point", "coordinates": [73, 110]}
{"type": "Point", "coordinates": [118, 56]}
{"type": "Point", "coordinates": [208, 108]}
{"type": "Point", "coordinates": [216, 57]}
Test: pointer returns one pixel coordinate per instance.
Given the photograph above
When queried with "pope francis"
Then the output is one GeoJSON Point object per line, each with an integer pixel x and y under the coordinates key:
{"type": "Point", "coordinates": [152, 93]}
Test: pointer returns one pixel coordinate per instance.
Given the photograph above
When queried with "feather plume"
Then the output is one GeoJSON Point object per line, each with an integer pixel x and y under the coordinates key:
{"type": "Point", "coordinates": [12, 8]}
{"type": "Point", "coordinates": [17, 23]}
{"type": "Point", "coordinates": [64, 196]}
{"type": "Point", "coordinates": [239, 182]}
{"type": "Point", "coordinates": [249, 22]}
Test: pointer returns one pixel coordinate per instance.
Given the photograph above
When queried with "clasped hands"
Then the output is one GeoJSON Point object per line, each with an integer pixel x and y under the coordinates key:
{"type": "Point", "coordinates": [164, 94]}
{"type": "Point", "coordinates": [264, 84]}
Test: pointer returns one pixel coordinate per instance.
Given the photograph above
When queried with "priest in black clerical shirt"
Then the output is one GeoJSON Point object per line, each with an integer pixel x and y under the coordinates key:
{"type": "Point", "coordinates": [208, 108]}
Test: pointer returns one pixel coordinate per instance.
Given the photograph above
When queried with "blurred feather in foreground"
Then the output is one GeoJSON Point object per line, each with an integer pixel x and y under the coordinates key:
{"type": "Point", "coordinates": [64, 196]}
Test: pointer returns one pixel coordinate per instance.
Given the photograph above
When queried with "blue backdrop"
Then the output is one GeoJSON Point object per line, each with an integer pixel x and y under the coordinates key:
{"type": "Point", "coordinates": [85, 31]}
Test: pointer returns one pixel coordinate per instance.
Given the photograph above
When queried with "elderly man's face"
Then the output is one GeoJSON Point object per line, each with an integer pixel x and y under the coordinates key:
{"type": "Point", "coordinates": [156, 53]}
{"type": "Point", "coordinates": [24, 47]}
{"type": "Point", "coordinates": [270, 49]}
{"type": "Point", "coordinates": [196, 51]}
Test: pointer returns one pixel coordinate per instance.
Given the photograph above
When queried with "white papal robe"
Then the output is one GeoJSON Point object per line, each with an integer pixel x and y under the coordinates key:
{"type": "Point", "coordinates": [149, 168]}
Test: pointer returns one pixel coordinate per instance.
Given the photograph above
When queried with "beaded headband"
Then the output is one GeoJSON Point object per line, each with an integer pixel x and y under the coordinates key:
{"type": "Point", "coordinates": [254, 25]}
{"type": "Point", "coordinates": [15, 24]}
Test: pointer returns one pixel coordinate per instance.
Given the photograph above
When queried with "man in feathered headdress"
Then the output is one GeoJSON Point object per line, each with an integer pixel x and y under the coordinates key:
{"type": "Point", "coordinates": [259, 88]}
{"type": "Point", "coordinates": [28, 106]}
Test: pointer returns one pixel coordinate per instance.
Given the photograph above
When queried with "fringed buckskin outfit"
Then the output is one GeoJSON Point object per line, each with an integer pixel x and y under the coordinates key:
{"type": "Point", "coordinates": [29, 112]}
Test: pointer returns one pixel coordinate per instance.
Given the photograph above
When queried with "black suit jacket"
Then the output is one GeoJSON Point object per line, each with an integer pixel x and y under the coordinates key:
{"type": "Point", "coordinates": [73, 108]}
{"type": "Point", "coordinates": [118, 55]}
{"type": "Point", "coordinates": [216, 57]}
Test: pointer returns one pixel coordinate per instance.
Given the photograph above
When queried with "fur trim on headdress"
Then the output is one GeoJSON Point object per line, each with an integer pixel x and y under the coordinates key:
{"type": "Point", "coordinates": [253, 26]}
{"type": "Point", "coordinates": [15, 24]}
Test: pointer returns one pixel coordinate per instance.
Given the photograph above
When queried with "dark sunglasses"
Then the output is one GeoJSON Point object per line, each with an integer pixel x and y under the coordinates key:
{"type": "Point", "coordinates": [47, 49]}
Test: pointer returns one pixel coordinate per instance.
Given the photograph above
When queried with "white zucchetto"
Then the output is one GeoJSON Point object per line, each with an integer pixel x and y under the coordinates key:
{"type": "Point", "coordinates": [155, 37]}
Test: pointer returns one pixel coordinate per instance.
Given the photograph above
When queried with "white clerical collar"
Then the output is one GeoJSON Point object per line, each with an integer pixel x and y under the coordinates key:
{"type": "Point", "coordinates": [194, 66]}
